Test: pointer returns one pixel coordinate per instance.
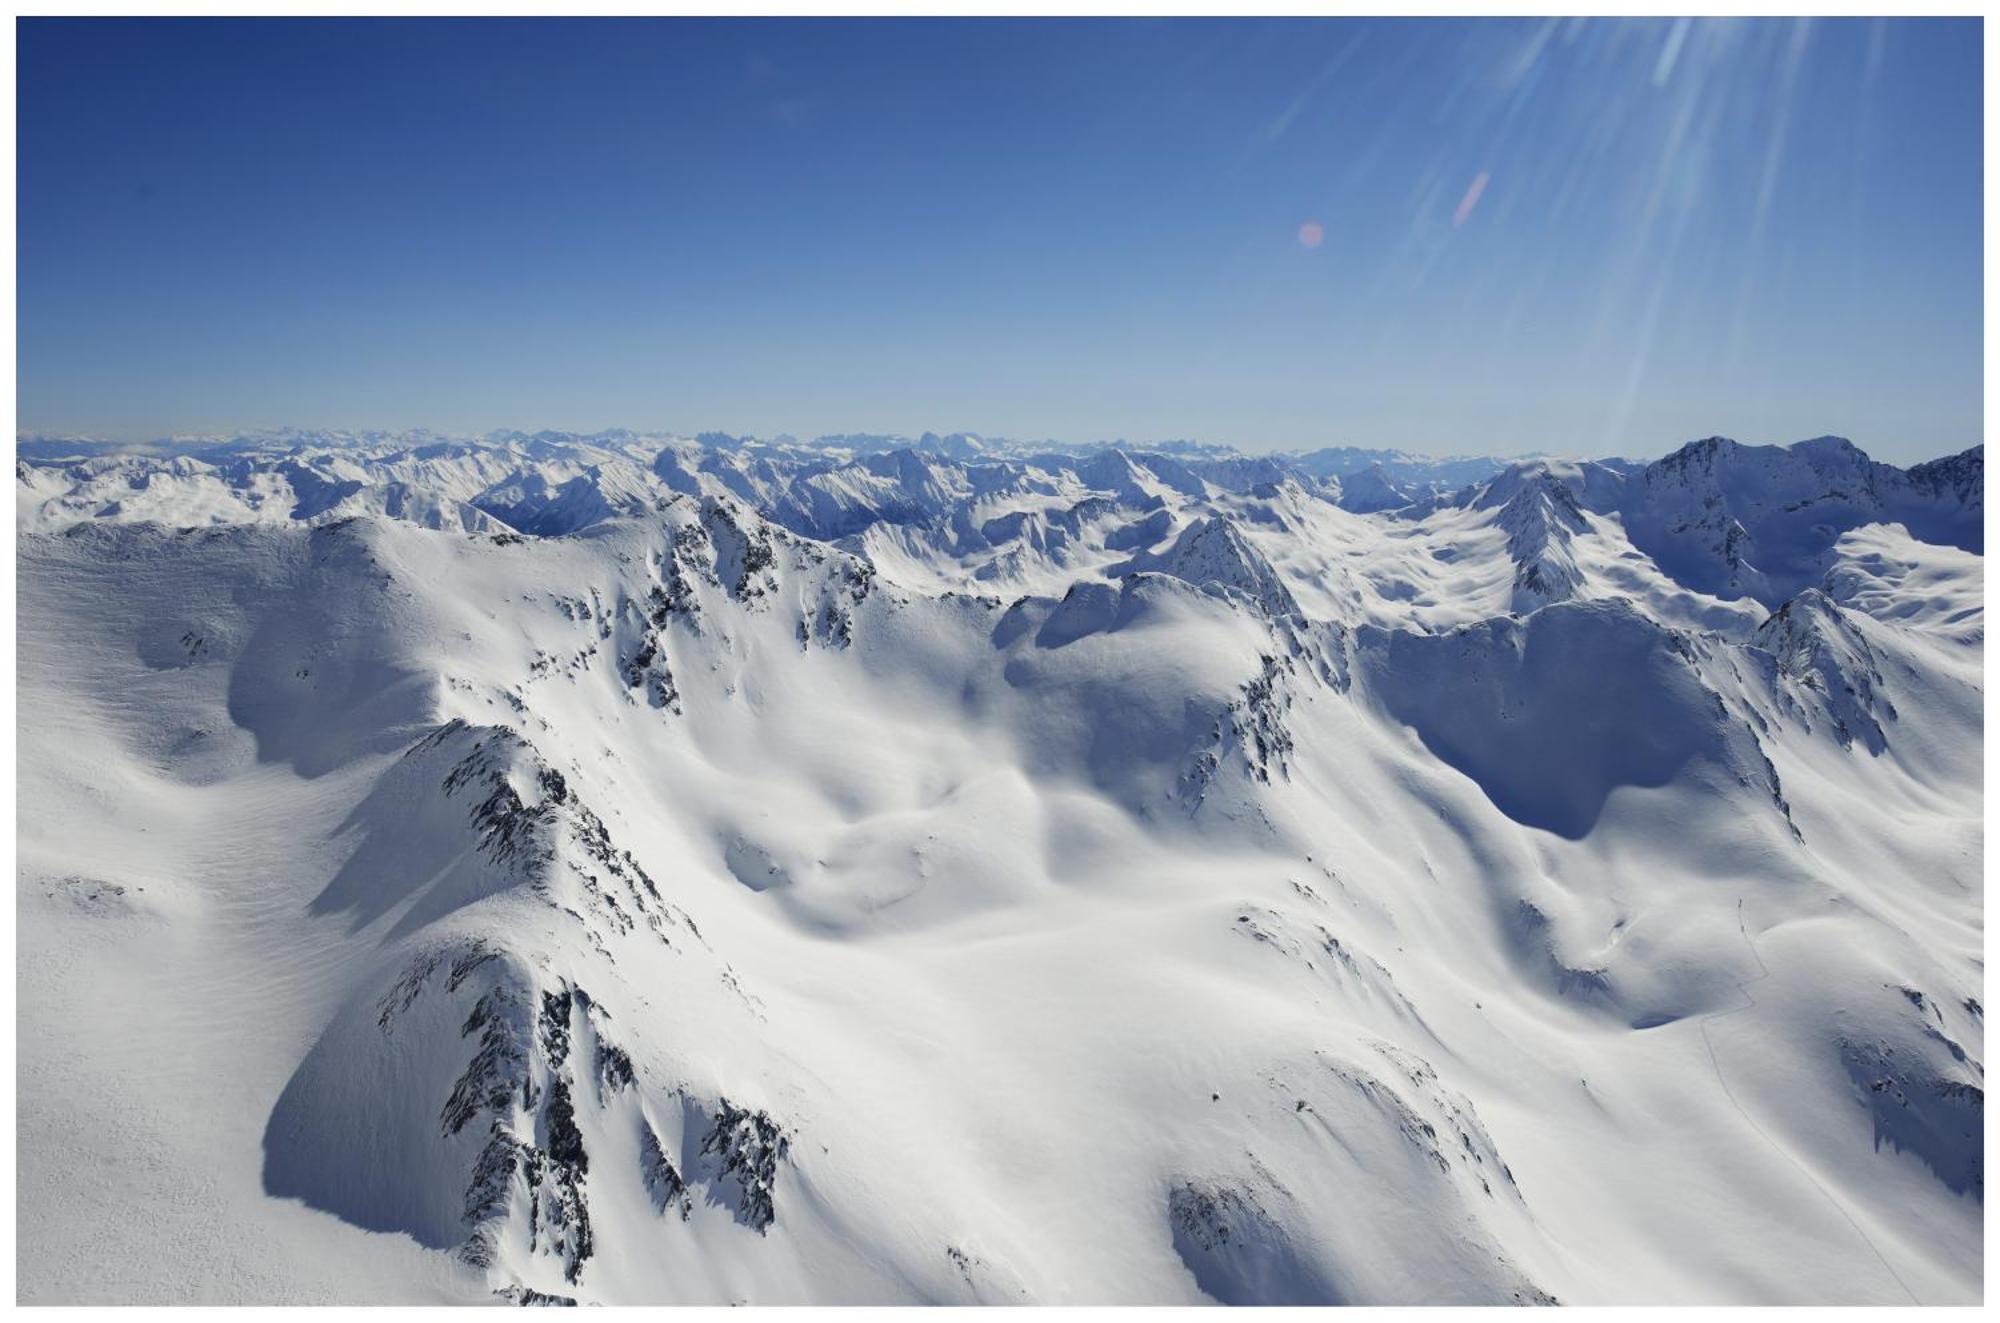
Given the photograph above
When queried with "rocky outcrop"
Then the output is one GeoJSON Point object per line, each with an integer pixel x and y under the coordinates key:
{"type": "Point", "coordinates": [1826, 669]}
{"type": "Point", "coordinates": [1541, 520]}
{"type": "Point", "coordinates": [747, 1147]}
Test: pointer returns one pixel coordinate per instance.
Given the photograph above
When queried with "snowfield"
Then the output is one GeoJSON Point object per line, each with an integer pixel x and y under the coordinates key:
{"type": "Point", "coordinates": [628, 869]}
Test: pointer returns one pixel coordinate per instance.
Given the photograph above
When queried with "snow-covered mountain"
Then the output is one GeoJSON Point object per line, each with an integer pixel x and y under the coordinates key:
{"type": "Point", "coordinates": [645, 869]}
{"type": "Point", "coordinates": [826, 488]}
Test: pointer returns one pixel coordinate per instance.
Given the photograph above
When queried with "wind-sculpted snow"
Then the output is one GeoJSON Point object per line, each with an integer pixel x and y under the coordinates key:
{"type": "Point", "coordinates": [629, 869]}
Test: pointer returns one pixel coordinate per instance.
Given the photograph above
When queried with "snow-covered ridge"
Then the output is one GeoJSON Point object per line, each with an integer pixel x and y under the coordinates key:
{"type": "Point", "coordinates": [558, 482]}
{"type": "Point", "coordinates": [1716, 517]}
{"type": "Point", "coordinates": [622, 869]}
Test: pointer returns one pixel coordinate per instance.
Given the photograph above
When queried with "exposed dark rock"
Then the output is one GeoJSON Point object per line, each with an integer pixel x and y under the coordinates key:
{"type": "Point", "coordinates": [499, 1069]}
{"type": "Point", "coordinates": [663, 1179]}
{"type": "Point", "coordinates": [528, 1295]}
{"type": "Point", "coordinates": [1916, 1110]}
{"type": "Point", "coordinates": [748, 1146]}
{"type": "Point", "coordinates": [614, 1068]}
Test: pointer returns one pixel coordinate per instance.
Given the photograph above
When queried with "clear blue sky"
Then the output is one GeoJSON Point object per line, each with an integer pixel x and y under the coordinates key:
{"type": "Point", "coordinates": [1592, 237]}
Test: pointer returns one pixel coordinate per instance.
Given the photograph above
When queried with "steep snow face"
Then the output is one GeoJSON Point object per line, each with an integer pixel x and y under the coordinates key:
{"type": "Point", "coordinates": [1541, 519]}
{"type": "Point", "coordinates": [1956, 487]}
{"type": "Point", "coordinates": [1822, 651]}
{"type": "Point", "coordinates": [1211, 553]}
{"type": "Point", "coordinates": [940, 872]}
{"type": "Point", "coordinates": [1758, 521]}
{"type": "Point", "coordinates": [1507, 702]}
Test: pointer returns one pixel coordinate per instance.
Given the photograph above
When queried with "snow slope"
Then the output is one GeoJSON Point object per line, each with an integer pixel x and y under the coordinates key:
{"type": "Point", "coordinates": [630, 869]}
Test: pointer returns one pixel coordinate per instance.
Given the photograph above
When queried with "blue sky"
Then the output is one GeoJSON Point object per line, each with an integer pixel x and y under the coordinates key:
{"type": "Point", "coordinates": [1454, 236]}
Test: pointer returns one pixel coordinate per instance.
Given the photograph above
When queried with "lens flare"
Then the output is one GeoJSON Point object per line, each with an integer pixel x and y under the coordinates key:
{"type": "Point", "coordinates": [1469, 201]}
